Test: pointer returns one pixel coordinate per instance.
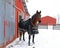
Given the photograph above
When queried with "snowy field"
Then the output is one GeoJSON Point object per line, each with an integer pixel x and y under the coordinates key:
{"type": "Point", "coordinates": [47, 38]}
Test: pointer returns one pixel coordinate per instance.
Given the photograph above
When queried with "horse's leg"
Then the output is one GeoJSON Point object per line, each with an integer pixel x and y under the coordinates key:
{"type": "Point", "coordinates": [23, 36]}
{"type": "Point", "coordinates": [33, 38]}
{"type": "Point", "coordinates": [20, 36]}
{"type": "Point", "coordinates": [29, 40]}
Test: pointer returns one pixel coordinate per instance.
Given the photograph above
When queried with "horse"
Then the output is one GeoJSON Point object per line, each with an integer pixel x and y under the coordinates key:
{"type": "Point", "coordinates": [30, 26]}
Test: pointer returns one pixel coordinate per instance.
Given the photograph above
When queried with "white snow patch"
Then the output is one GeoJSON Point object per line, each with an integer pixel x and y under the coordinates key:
{"type": "Point", "coordinates": [45, 39]}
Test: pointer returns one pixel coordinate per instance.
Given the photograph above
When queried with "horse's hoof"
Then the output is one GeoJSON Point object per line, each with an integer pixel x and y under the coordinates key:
{"type": "Point", "coordinates": [23, 39]}
{"type": "Point", "coordinates": [28, 44]}
{"type": "Point", "coordinates": [33, 42]}
{"type": "Point", "coordinates": [33, 47]}
{"type": "Point", "coordinates": [19, 39]}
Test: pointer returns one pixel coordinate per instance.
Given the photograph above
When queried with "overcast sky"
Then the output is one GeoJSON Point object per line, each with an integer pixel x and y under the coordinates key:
{"type": "Point", "coordinates": [48, 7]}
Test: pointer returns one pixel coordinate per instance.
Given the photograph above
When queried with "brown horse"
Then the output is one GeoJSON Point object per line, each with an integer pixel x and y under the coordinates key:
{"type": "Point", "coordinates": [30, 26]}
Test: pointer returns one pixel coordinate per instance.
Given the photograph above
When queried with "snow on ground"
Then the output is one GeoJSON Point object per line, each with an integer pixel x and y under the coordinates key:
{"type": "Point", "coordinates": [47, 38]}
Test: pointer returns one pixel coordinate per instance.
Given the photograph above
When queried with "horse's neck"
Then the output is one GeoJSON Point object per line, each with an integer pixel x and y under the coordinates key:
{"type": "Point", "coordinates": [34, 22]}
{"type": "Point", "coordinates": [31, 21]}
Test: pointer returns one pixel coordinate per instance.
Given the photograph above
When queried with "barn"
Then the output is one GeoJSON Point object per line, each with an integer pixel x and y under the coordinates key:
{"type": "Point", "coordinates": [48, 20]}
{"type": "Point", "coordinates": [10, 10]}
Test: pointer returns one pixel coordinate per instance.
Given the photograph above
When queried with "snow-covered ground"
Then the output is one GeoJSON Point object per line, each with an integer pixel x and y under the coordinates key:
{"type": "Point", "coordinates": [47, 38]}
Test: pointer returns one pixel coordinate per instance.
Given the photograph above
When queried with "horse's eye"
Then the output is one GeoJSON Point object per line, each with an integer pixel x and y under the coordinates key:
{"type": "Point", "coordinates": [39, 21]}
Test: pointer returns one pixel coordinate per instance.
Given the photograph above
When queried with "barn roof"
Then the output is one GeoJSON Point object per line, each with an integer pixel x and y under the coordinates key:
{"type": "Point", "coordinates": [22, 6]}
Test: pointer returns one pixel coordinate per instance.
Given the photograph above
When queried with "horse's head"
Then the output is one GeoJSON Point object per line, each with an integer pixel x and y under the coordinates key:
{"type": "Point", "coordinates": [36, 18]}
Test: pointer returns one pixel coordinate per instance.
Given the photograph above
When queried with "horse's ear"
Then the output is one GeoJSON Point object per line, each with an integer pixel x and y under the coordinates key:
{"type": "Point", "coordinates": [40, 11]}
{"type": "Point", "coordinates": [37, 11]}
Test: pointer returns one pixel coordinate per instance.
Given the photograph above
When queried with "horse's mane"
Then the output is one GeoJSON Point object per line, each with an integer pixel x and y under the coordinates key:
{"type": "Point", "coordinates": [33, 16]}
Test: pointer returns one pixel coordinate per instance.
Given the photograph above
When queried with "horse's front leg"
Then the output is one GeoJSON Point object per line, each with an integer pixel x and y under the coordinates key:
{"type": "Point", "coordinates": [33, 39]}
{"type": "Point", "coordinates": [29, 40]}
{"type": "Point", "coordinates": [23, 36]}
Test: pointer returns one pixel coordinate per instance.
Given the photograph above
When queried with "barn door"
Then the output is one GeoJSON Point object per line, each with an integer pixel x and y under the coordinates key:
{"type": "Point", "coordinates": [1, 23]}
{"type": "Point", "coordinates": [9, 21]}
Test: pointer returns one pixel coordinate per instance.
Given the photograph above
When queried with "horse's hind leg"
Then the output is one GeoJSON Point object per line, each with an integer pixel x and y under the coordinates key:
{"type": "Point", "coordinates": [33, 39]}
{"type": "Point", "coordinates": [29, 40]}
{"type": "Point", "coordinates": [23, 36]}
{"type": "Point", "coordinates": [20, 36]}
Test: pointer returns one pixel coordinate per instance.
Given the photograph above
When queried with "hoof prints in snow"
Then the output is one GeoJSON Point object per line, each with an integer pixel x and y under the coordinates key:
{"type": "Point", "coordinates": [10, 46]}
{"type": "Point", "coordinates": [21, 44]}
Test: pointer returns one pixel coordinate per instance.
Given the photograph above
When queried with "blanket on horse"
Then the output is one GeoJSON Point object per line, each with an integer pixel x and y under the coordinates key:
{"type": "Point", "coordinates": [27, 26]}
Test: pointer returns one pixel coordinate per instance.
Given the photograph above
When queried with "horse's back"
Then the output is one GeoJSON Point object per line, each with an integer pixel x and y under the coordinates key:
{"type": "Point", "coordinates": [23, 25]}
